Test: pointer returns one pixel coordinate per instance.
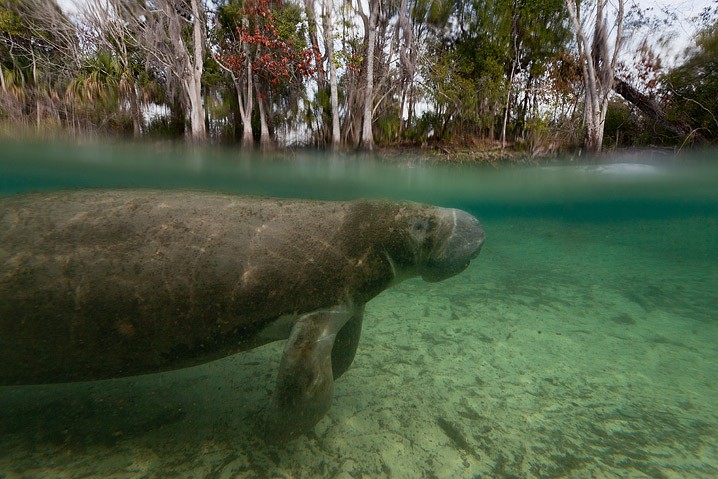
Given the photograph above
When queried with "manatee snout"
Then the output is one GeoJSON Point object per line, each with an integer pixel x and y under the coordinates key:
{"type": "Point", "coordinates": [468, 236]}
{"type": "Point", "coordinates": [460, 240]}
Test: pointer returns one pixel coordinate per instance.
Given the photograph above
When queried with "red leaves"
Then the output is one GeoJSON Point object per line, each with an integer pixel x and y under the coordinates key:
{"type": "Point", "coordinates": [233, 61]}
{"type": "Point", "coordinates": [275, 60]}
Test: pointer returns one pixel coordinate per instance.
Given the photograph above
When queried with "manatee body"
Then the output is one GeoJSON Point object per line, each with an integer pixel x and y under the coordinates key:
{"type": "Point", "coordinates": [103, 284]}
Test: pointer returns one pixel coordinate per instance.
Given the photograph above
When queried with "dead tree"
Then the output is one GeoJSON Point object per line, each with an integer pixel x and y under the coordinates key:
{"type": "Point", "coordinates": [652, 109]}
{"type": "Point", "coordinates": [598, 67]}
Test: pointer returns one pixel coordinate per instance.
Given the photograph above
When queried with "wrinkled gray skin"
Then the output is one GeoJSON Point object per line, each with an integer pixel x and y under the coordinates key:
{"type": "Point", "coordinates": [103, 284]}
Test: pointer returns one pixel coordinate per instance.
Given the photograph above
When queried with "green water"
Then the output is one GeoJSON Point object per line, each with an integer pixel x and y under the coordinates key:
{"type": "Point", "coordinates": [582, 343]}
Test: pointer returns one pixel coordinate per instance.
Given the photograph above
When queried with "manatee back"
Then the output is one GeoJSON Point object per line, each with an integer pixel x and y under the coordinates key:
{"type": "Point", "coordinates": [100, 284]}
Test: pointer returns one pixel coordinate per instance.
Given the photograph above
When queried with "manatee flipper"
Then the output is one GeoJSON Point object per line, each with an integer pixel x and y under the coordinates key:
{"type": "Point", "coordinates": [305, 382]}
{"type": "Point", "coordinates": [346, 342]}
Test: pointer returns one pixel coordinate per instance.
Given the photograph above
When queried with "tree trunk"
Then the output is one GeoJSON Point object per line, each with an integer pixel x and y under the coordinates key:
{"type": "Point", "coordinates": [367, 137]}
{"type": "Point", "coordinates": [654, 110]}
{"type": "Point", "coordinates": [514, 62]}
{"type": "Point", "coordinates": [351, 126]}
{"type": "Point", "coordinates": [135, 112]}
{"type": "Point", "coordinates": [246, 111]}
{"type": "Point", "coordinates": [314, 39]}
{"type": "Point", "coordinates": [245, 115]}
{"type": "Point", "coordinates": [3, 86]}
{"type": "Point", "coordinates": [159, 29]}
{"type": "Point", "coordinates": [193, 83]}
{"type": "Point", "coordinates": [597, 70]}
{"type": "Point", "coordinates": [265, 139]}
{"type": "Point", "coordinates": [246, 107]}
{"type": "Point", "coordinates": [507, 105]}
{"type": "Point", "coordinates": [410, 114]}
{"type": "Point", "coordinates": [407, 62]}
{"type": "Point", "coordinates": [242, 85]}
{"type": "Point", "coordinates": [38, 107]}
{"type": "Point", "coordinates": [322, 123]}
{"type": "Point", "coordinates": [333, 90]}
{"type": "Point", "coordinates": [178, 116]}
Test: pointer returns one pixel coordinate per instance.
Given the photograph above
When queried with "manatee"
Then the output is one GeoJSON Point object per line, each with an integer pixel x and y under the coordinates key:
{"type": "Point", "coordinates": [98, 284]}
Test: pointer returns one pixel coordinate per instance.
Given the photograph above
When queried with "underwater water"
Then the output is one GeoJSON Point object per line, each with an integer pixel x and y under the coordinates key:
{"type": "Point", "coordinates": [581, 343]}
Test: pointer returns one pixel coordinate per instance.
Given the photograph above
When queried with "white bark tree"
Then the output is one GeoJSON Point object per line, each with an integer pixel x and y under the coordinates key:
{"type": "Point", "coordinates": [514, 65]}
{"type": "Point", "coordinates": [370, 23]}
{"type": "Point", "coordinates": [244, 88]}
{"type": "Point", "coordinates": [597, 67]}
{"type": "Point", "coordinates": [333, 89]}
{"type": "Point", "coordinates": [265, 138]}
{"type": "Point", "coordinates": [243, 85]}
{"type": "Point", "coordinates": [161, 27]}
{"type": "Point", "coordinates": [246, 107]}
{"type": "Point", "coordinates": [193, 77]}
{"type": "Point", "coordinates": [408, 49]}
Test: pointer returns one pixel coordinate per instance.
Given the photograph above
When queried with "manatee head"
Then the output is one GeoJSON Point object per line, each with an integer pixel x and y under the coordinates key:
{"type": "Point", "coordinates": [432, 242]}
{"type": "Point", "coordinates": [408, 240]}
{"type": "Point", "coordinates": [447, 239]}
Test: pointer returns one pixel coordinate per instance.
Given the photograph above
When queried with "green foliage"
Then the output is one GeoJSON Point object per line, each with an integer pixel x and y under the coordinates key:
{"type": "Point", "coordinates": [624, 127]}
{"type": "Point", "coordinates": [434, 13]}
{"type": "Point", "coordinates": [425, 127]}
{"type": "Point", "coordinates": [34, 63]}
{"type": "Point", "coordinates": [538, 132]}
{"type": "Point", "coordinates": [164, 127]}
{"type": "Point", "coordinates": [691, 89]}
{"type": "Point", "coordinates": [212, 75]}
{"type": "Point", "coordinates": [10, 20]}
{"type": "Point", "coordinates": [98, 83]}
{"type": "Point", "coordinates": [542, 32]}
{"type": "Point", "coordinates": [386, 126]}
{"type": "Point", "coordinates": [528, 31]}
{"type": "Point", "coordinates": [454, 92]}
{"type": "Point", "coordinates": [290, 26]}
{"type": "Point", "coordinates": [471, 65]}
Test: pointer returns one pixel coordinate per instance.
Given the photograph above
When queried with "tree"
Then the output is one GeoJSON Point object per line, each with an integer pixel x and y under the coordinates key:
{"type": "Point", "coordinates": [264, 51]}
{"type": "Point", "coordinates": [370, 21]}
{"type": "Point", "coordinates": [328, 24]}
{"type": "Point", "coordinates": [39, 52]}
{"type": "Point", "coordinates": [691, 88]}
{"type": "Point", "coordinates": [234, 57]}
{"type": "Point", "coordinates": [12, 79]}
{"type": "Point", "coordinates": [109, 34]}
{"type": "Point", "coordinates": [172, 36]}
{"type": "Point", "coordinates": [485, 64]}
{"type": "Point", "coordinates": [96, 92]}
{"type": "Point", "coordinates": [598, 66]}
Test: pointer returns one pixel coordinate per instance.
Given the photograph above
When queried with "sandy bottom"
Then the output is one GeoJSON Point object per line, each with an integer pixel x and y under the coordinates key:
{"type": "Point", "coordinates": [568, 350]}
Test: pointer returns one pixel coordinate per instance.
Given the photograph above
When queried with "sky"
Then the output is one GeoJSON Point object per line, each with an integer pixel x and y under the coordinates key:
{"type": "Point", "coordinates": [681, 33]}
{"type": "Point", "coordinates": [685, 11]}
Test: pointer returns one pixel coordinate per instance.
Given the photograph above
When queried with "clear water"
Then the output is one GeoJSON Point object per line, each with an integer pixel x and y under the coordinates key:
{"type": "Point", "coordinates": [582, 343]}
